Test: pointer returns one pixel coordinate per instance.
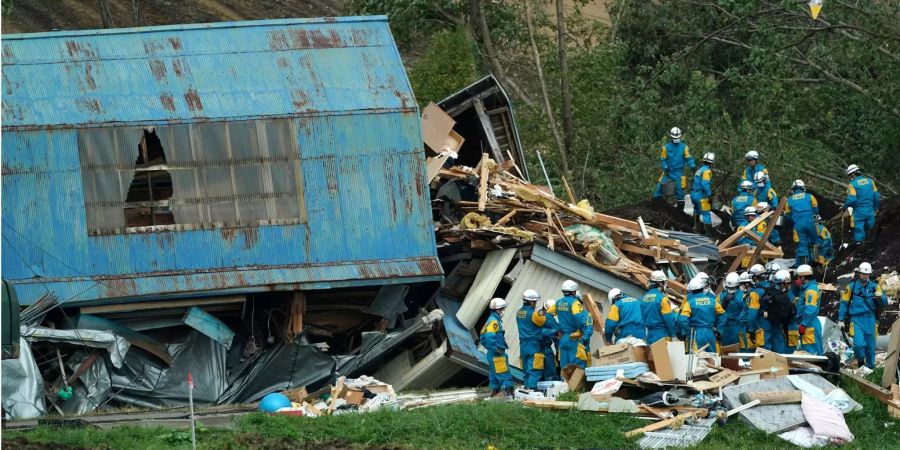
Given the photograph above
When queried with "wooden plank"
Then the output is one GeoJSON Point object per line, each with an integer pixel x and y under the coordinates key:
{"type": "Point", "coordinates": [507, 217]}
{"type": "Point", "coordinates": [890, 360]}
{"type": "Point", "coordinates": [434, 164]}
{"type": "Point", "coordinates": [85, 365]}
{"type": "Point", "coordinates": [569, 191]}
{"type": "Point", "coordinates": [596, 315]}
{"type": "Point", "coordinates": [772, 397]}
{"type": "Point", "coordinates": [660, 242]}
{"type": "Point", "coordinates": [872, 389]}
{"type": "Point", "coordinates": [770, 226]}
{"type": "Point", "coordinates": [734, 251]}
{"type": "Point", "coordinates": [618, 221]}
{"type": "Point", "coordinates": [295, 321]}
{"type": "Point", "coordinates": [163, 304]}
{"type": "Point", "coordinates": [646, 251]}
{"type": "Point", "coordinates": [675, 421]}
{"type": "Point", "coordinates": [483, 182]}
{"type": "Point", "coordinates": [737, 235]}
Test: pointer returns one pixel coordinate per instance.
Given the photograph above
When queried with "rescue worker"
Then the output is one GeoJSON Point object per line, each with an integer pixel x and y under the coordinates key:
{"type": "Point", "coordinates": [746, 338]}
{"type": "Point", "coordinates": [764, 190]}
{"type": "Point", "coordinates": [740, 202]}
{"type": "Point", "coordinates": [809, 326]}
{"type": "Point", "coordinates": [864, 199]}
{"type": "Point", "coordinates": [753, 167]}
{"type": "Point", "coordinates": [656, 309]}
{"type": "Point", "coordinates": [860, 300]}
{"type": "Point", "coordinates": [701, 194]}
{"type": "Point", "coordinates": [701, 314]}
{"type": "Point", "coordinates": [757, 325]}
{"type": "Point", "coordinates": [732, 301]}
{"type": "Point", "coordinates": [624, 318]}
{"type": "Point", "coordinates": [801, 208]}
{"type": "Point", "coordinates": [551, 342]}
{"type": "Point", "coordinates": [778, 310]}
{"type": "Point", "coordinates": [534, 328]}
{"type": "Point", "coordinates": [673, 157]}
{"type": "Point", "coordinates": [494, 341]}
{"type": "Point", "coordinates": [573, 324]}
{"type": "Point", "coordinates": [759, 229]}
{"type": "Point", "coordinates": [824, 248]}
{"type": "Point", "coordinates": [793, 337]}
{"type": "Point", "coordinates": [775, 236]}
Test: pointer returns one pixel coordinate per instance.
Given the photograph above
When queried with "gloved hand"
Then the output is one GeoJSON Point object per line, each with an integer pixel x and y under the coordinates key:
{"type": "Point", "coordinates": [718, 335]}
{"type": "Point", "coordinates": [840, 325]}
{"type": "Point", "coordinates": [802, 330]}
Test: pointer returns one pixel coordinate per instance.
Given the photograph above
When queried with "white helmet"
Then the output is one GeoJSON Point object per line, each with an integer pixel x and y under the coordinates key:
{"type": "Point", "coordinates": [531, 295]}
{"type": "Point", "coordinates": [865, 268]}
{"type": "Point", "coordinates": [675, 133]}
{"type": "Point", "coordinates": [745, 278]}
{"type": "Point", "coordinates": [773, 266]}
{"type": "Point", "coordinates": [732, 280]}
{"type": "Point", "coordinates": [614, 294]}
{"type": "Point", "coordinates": [757, 270]}
{"type": "Point", "coordinates": [569, 286]}
{"type": "Point", "coordinates": [851, 169]}
{"type": "Point", "coordinates": [709, 157]}
{"type": "Point", "coordinates": [696, 284]}
{"type": "Point", "coordinates": [549, 303]}
{"type": "Point", "coordinates": [799, 184]}
{"type": "Point", "coordinates": [497, 303]}
{"type": "Point", "coordinates": [762, 206]}
{"type": "Point", "coordinates": [760, 177]}
{"type": "Point", "coordinates": [657, 276]}
{"type": "Point", "coordinates": [752, 154]}
{"type": "Point", "coordinates": [782, 276]}
{"type": "Point", "coordinates": [750, 211]}
{"type": "Point", "coordinates": [804, 270]}
{"type": "Point", "coordinates": [746, 185]}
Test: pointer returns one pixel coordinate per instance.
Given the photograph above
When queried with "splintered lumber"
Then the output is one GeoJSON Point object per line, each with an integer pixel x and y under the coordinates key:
{"type": "Point", "coordinates": [737, 235]}
{"type": "Point", "coordinates": [550, 404]}
{"type": "Point", "coordinates": [772, 397]}
{"type": "Point", "coordinates": [568, 190]}
{"type": "Point", "coordinates": [596, 315]}
{"type": "Point", "coordinates": [483, 182]}
{"type": "Point", "coordinates": [769, 228]}
{"type": "Point", "coordinates": [676, 421]}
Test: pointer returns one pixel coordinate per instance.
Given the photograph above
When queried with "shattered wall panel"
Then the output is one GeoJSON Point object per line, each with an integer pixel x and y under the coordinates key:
{"type": "Point", "coordinates": [23, 387]}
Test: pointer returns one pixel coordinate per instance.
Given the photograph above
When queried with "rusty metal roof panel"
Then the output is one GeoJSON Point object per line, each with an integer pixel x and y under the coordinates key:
{"type": "Point", "coordinates": [202, 72]}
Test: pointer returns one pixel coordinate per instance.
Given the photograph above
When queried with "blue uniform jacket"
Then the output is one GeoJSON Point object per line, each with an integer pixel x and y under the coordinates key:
{"type": "Point", "coordinates": [750, 173]}
{"type": "Point", "coordinates": [625, 314]}
{"type": "Point", "coordinates": [657, 311]}
{"type": "Point", "coordinates": [571, 315]}
{"type": "Point", "coordinates": [809, 304]}
{"type": "Point", "coordinates": [673, 157]}
{"type": "Point", "coordinates": [701, 310]}
{"type": "Point", "coordinates": [739, 203]}
{"type": "Point", "coordinates": [532, 324]}
{"type": "Point", "coordinates": [733, 304]}
{"type": "Point", "coordinates": [702, 187]}
{"type": "Point", "coordinates": [801, 207]}
{"type": "Point", "coordinates": [767, 194]}
{"type": "Point", "coordinates": [861, 298]}
{"type": "Point", "coordinates": [863, 196]}
{"type": "Point", "coordinates": [492, 336]}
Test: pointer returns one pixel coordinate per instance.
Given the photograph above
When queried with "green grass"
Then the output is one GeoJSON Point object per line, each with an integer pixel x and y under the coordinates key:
{"type": "Point", "coordinates": [463, 426]}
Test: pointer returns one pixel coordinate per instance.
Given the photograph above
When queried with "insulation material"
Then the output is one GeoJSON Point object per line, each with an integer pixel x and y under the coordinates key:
{"type": "Point", "coordinates": [23, 387]}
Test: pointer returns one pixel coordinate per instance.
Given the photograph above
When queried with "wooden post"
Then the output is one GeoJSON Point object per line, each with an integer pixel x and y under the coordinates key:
{"type": "Point", "coordinates": [483, 182]}
{"type": "Point", "coordinates": [295, 320]}
{"type": "Point", "coordinates": [568, 190]}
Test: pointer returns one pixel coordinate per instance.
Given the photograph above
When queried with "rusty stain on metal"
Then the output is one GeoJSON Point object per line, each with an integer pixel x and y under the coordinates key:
{"type": "Point", "coordinates": [175, 43]}
{"type": "Point", "coordinates": [177, 67]}
{"type": "Point", "coordinates": [193, 100]}
{"type": "Point", "coordinates": [78, 50]}
{"type": "Point", "coordinates": [329, 19]}
{"type": "Point", "coordinates": [90, 103]}
{"type": "Point", "coordinates": [360, 37]}
{"type": "Point", "coordinates": [167, 102]}
{"type": "Point", "coordinates": [299, 99]}
{"type": "Point", "coordinates": [152, 47]}
{"type": "Point", "coordinates": [282, 62]}
{"type": "Point", "coordinates": [158, 68]}
{"type": "Point", "coordinates": [278, 40]}
{"type": "Point", "coordinates": [89, 78]}
{"type": "Point", "coordinates": [300, 39]}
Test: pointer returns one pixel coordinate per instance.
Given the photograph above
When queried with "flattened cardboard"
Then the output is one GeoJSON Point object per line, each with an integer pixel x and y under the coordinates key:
{"type": "Point", "coordinates": [620, 354]}
{"type": "Point", "coordinates": [436, 127]}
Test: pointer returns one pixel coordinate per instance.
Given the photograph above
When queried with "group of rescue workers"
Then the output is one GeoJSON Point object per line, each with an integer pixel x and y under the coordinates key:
{"type": "Point", "coordinates": [762, 307]}
{"type": "Point", "coordinates": [756, 195]}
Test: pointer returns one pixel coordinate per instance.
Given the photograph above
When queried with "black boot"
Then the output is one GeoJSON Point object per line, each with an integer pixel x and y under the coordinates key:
{"type": "Point", "coordinates": [708, 230]}
{"type": "Point", "coordinates": [697, 224]}
{"type": "Point", "coordinates": [680, 205]}
{"type": "Point", "coordinates": [495, 393]}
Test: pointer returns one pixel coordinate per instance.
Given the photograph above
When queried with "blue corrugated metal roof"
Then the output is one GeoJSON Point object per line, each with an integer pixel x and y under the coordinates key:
{"type": "Point", "coordinates": [206, 71]}
{"type": "Point", "coordinates": [361, 162]}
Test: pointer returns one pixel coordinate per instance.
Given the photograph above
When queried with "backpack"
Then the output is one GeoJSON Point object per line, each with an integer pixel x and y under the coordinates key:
{"type": "Point", "coordinates": [778, 305]}
{"type": "Point", "coordinates": [879, 308]}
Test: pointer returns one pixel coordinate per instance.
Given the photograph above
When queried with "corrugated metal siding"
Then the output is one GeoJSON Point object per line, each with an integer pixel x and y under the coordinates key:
{"type": "Point", "coordinates": [208, 72]}
{"type": "Point", "coordinates": [363, 175]}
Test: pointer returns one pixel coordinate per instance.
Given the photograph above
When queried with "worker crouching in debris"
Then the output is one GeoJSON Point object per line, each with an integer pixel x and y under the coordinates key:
{"type": "Point", "coordinates": [778, 310]}
{"type": "Point", "coordinates": [810, 328]}
{"type": "Point", "coordinates": [740, 202]}
{"type": "Point", "coordinates": [575, 325]}
{"type": "Point", "coordinates": [534, 327]}
{"type": "Point", "coordinates": [550, 342]}
{"type": "Point", "coordinates": [732, 301]}
{"type": "Point", "coordinates": [863, 301]}
{"type": "Point", "coordinates": [624, 318]}
{"type": "Point", "coordinates": [494, 341]}
{"type": "Point", "coordinates": [701, 195]}
{"type": "Point", "coordinates": [701, 317]}
{"type": "Point", "coordinates": [656, 309]}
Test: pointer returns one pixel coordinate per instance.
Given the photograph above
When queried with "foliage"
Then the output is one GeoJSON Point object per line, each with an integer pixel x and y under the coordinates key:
{"type": "Point", "coordinates": [447, 65]}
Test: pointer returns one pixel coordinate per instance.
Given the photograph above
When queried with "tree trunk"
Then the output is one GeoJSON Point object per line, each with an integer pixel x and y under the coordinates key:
{"type": "Point", "coordinates": [136, 12]}
{"type": "Point", "coordinates": [477, 7]}
{"type": "Point", "coordinates": [105, 14]}
{"type": "Point", "coordinates": [540, 73]}
{"type": "Point", "coordinates": [564, 86]}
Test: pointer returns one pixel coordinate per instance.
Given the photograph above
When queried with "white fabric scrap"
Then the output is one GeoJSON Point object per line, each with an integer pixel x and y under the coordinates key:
{"type": "Point", "coordinates": [804, 437]}
{"type": "Point", "coordinates": [836, 398]}
{"type": "Point", "coordinates": [825, 420]}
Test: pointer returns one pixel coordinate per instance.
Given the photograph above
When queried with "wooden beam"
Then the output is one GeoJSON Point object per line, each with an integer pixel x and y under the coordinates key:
{"type": "Point", "coordinates": [85, 365]}
{"type": "Point", "coordinates": [295, 321]}
{"type": "Point", "coordinates": [483, 182]}
{"type": "Point", "coordinates": [162, 304]}
{"type": "Point", "coordinates": [677, 421]}
{"type": "Point", "coordinates": [648, 252]}
{"type": "Point", "coordinates": [507, 217]}
{"type": "Point", "coordinates": [595, 313]}
{"type": "Point", "coordinates": [737, 234]}
{"type": "Point", "coordinates": [734, 251]}
{"type": "Point", "coordinates": [612, 220]}
{"type": "Point", "coordinates": [770, 226]}
{"type": "Point", "coordinates": [569, 191]}
{"type": "Point", "coordinates": [880, 394]}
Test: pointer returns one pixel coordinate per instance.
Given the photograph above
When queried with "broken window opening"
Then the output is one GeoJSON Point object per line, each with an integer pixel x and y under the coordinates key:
{"type": "Point", "coordinates": [147, 202]}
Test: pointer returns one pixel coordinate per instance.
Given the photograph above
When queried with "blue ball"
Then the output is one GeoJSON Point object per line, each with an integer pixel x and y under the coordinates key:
{"type": "Point", "coordinates": [273, 402]}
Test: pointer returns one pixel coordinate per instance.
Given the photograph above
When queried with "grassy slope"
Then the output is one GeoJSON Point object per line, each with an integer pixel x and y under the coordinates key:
{"type": "Point", "coordinates": [468, 426]}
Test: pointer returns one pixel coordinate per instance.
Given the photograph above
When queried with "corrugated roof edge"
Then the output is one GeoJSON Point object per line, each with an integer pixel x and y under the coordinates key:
{"type": "Point", "coordinates": [198, 26]}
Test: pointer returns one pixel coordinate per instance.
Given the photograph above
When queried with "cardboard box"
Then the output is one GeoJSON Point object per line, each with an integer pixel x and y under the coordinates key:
{"type": "Point", "coordinates": [354, 397]}
{"type": "Point", "coordinates": [669, 360]}
{"type": "Point", "coordinates": [770, 360]}
{"type": "Point", "coordinates": [574, 377]}
{"type": "Point", "coordinates": [620, 354]}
